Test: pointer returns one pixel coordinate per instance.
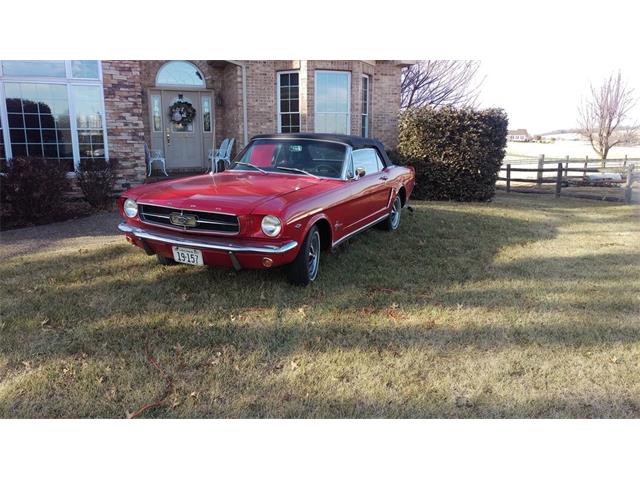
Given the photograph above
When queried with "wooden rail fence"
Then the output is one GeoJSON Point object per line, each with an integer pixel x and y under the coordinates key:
{"type": "Point", "coordinates": [624, 167]}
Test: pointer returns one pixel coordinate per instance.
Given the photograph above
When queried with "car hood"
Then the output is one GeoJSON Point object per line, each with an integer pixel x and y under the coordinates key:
{"type": "Point", "coordinates": [229, 192]}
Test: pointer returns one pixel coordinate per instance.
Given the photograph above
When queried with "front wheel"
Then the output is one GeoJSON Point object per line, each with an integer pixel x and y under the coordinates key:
{"type": "Point", "coordinates": [304, 268]}
{"type": "Point", "coordinates": [392, 222]}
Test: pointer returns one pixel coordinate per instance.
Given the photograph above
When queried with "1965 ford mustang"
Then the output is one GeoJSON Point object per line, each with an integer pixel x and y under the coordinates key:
{"type": "Point", "coordinates": [286, 198]}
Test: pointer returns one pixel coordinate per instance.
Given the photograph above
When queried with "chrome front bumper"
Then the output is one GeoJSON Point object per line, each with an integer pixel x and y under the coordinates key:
{"type": "Point", "coordinates": [207, 244]}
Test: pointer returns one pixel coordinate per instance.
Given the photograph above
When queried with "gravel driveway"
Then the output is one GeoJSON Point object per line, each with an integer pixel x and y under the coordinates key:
{"type": "Point", "coordinates": [95, 230]}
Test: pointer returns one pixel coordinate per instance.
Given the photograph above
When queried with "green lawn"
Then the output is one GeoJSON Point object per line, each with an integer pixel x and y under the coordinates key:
{"type": "Point", "coordinates": [524, 307]}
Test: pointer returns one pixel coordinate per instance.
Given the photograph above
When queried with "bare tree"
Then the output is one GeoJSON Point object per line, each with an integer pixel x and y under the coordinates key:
{"type": "Point", "coordinates": [602, 115]}
{"type": "Point", "coordinates": [440, 83]}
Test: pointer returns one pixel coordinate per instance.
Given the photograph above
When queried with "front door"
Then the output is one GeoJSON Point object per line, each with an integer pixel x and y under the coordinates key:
{"type": "Point", "coordinates": [185, 145]}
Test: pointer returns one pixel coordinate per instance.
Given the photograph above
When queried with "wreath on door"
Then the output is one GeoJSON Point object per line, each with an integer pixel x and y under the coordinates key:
{"type": "Point", "coordinates": [182, 113]}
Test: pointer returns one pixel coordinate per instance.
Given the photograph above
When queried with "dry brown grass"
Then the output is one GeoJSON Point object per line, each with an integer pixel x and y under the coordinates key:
{"type": "Point", "coordinates": [524, 307]}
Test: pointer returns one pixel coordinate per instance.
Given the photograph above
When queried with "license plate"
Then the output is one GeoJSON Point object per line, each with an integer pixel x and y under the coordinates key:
{"type": "Point", "coordinates": [187, 255]}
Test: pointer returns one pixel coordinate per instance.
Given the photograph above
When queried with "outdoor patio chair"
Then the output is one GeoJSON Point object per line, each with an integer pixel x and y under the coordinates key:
{"type": "Point", "coordinates": [221, 154]}
{"type": "Point", "coordinates": [214, 154]}
{"type": "Point", "coordinates": [154, 156]}
{"type": "Point", "coordinates": [227, 157]}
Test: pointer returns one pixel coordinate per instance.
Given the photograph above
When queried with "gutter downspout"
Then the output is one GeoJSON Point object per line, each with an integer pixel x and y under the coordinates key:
{"type": "Point", "coordinates": [245, 127]}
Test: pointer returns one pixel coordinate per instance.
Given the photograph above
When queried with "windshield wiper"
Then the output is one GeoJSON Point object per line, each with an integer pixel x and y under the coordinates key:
{"type": "Point", "coordinates": [297, 170]}
{"type": "Point", "coordinates": [250, 165]}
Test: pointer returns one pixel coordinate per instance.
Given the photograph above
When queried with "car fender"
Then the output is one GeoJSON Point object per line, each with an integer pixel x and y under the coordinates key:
{"type": "Point", "coordinates": [311, 220]}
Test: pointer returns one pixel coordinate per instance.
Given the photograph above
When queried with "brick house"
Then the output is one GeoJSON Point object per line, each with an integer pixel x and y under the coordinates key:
{"type": "Point", "coordinates": [84, 108]}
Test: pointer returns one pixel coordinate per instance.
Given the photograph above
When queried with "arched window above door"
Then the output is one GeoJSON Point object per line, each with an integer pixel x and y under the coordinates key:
{"type": "Point", "coordinates": [179, 73]}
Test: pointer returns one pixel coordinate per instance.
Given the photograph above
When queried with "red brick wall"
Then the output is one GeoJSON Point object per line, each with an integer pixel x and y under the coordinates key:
{"type": "Point", "coordinates": [385, 104]}
{"type": "Point", "coordinates": [231, 120]}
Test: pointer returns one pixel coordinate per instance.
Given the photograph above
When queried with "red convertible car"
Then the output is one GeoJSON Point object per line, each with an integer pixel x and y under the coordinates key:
{"type": "Point", "coordinates": [285, 199]}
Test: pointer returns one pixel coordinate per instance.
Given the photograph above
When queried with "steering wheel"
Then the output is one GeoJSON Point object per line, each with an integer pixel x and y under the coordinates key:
{"type": "Point", "coordinates": [327, 169]}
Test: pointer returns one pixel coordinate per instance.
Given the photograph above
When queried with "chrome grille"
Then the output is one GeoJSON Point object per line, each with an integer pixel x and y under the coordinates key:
{"type": "Point", "coordinates": [206, 221]}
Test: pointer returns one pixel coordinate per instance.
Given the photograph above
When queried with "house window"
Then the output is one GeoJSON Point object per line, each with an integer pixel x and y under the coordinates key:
{"type": "Point", "coordinates": [88, 107]}
{"type": "Point", "coordinates": [288, 102]}
{"type": "Point", "coordinates": [34, 68]}
{"type": "Point", "coordinates": [39, 122]}
{"type": "Point", "coordinates": [206, 114]}
{"type": "Point", "coordinates": [332, 102]}
{"type": "Point", "coordinates": [46, 111]}
{"type": "Point", "coordinates": [365, 106]}
{"type": "Point", "coordinates": [178, 73]}
{"type": "Point", "coordinates": [156, 113]}
{"type": "Point", "coordinates": [85, 69]}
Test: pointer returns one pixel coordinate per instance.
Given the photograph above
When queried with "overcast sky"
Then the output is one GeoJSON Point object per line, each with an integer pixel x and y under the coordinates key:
{"type": "Point", "coordinates": [541, 92]}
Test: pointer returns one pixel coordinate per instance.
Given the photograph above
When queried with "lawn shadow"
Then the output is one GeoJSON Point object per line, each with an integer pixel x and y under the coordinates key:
{"type": "Point", "coordinates": [434, 248]}
{"type": "Point", "coordinates": [23, 241]}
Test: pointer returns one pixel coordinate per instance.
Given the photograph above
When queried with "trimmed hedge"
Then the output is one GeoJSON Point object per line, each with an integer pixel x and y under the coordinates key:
{"type": "Point", "coordinates": [96, 177]}
{"type": "Point", "coordinates": [457, 153]}
{"type": "Point", "coordinates": [34, 187]}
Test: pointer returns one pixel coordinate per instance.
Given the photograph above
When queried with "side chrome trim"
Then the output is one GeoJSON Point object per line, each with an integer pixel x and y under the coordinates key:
{"type": "Point", "coordinates": [355, 232]}
{"type": "Point", "coordinates": [207, 244]}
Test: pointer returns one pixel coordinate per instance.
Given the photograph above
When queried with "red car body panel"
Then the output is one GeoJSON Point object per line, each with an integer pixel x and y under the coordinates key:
{"type": "Point", "coordinates": [300, 201]}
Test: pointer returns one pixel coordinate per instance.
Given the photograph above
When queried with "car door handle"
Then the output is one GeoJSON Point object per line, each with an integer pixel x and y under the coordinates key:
{"type": "Point", "coordinates": [384, 177]}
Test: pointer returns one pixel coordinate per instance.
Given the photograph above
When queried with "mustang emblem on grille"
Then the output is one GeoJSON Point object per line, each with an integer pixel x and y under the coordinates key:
{"type": "Point", "coordinates": [182, 220]}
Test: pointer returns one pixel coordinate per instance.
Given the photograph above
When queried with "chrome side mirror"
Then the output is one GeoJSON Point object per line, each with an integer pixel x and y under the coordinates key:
{"type": "Point", "coordinates": [360, 172]}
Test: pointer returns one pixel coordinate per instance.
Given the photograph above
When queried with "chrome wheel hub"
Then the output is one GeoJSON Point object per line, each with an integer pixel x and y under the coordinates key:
{"type": "Point", "coordinates": [395, 213]}
{"type": "Point", "coordinates": [314, 255]}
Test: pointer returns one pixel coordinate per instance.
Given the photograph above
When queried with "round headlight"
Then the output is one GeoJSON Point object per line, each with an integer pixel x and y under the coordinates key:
{"type": "Point", "coordinates": [130, 208]}
{"type": "Point", "coordinates": [271, 225]}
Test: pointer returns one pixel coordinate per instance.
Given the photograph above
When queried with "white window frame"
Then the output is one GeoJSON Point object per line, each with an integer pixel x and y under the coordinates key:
{"type": "Point", "coordinates": [70, 82]}
{"type": "Point", "coordinates": [4, 120]}
{"type": "Point", "coordinates": [279, 113]}
{"type": "Point", "coordinates": [362, 113]}
{"type": "Point", "coordinates": [315, 98]}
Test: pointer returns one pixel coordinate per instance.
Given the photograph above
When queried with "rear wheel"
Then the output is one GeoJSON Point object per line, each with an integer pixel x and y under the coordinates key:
{"type": "Point", "coordinates": [162, 260]}
{"type": "Point", "coordinates": [304, 268]}
{"type": "Point", "coordinates": [392, 222]}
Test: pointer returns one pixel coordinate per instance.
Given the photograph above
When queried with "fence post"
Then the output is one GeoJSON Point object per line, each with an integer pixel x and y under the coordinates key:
{"type": "Point", "coordinates": [508, 177]}
{"type": "Point", "coordinates": [586, 165]}
{"type": "Point", "coordinates": [627, 186]}
{"type": "Point", "coordinates": [566, 166]}
{"type": "Point", "coordinates": [559, 179]}
{"type": "Point", "coordinates": [540, 168]}
{"type": "Point", "coordinates": [624, 164]}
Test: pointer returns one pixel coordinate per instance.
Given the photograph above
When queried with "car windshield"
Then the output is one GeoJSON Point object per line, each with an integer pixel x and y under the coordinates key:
{"type": "Point", "coordinates": [294, 157]}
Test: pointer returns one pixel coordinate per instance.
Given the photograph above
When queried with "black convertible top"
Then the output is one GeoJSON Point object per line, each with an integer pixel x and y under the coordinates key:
{"type": "Point", "coordinates": [352, 140]}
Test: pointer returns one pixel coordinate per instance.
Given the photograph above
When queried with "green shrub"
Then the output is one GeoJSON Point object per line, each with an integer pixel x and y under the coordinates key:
{"type": "Point", "coordinates": [3, 182]}
{"type": "Point", "coordinates": [35, 187]}
{"type": "Point", "coordinates": [96, 177]}
{"type": "Point", "coordinates": [456, 153]}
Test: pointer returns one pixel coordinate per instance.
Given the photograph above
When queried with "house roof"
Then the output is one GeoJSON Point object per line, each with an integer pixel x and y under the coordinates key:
{"type": "Point", "coordinates": [520, 131]}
